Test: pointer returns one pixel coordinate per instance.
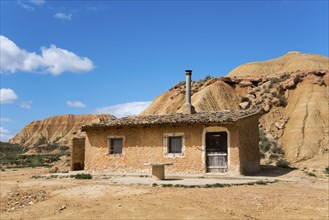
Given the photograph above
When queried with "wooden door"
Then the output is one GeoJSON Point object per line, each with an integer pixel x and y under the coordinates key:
{"type": "Point", "coordinates": [216, 152]}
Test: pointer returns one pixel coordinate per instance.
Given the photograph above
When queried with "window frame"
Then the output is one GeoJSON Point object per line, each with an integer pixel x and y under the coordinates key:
{"type": "Point", "coordinates": [110, 147]}
{"type": "Point", "coordinates": [166, 143]}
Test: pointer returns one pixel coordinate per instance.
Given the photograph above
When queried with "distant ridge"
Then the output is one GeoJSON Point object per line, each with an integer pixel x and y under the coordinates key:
{"type": "Point", "coordinates": [56, 129]}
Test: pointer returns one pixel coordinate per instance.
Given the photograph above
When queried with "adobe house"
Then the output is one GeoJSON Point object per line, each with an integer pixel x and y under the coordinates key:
{"type": "Point", "coordinates": [203, 142]}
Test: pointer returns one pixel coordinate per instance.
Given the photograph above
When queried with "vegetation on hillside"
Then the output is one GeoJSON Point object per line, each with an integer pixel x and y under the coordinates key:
{"type": "Point", "coordinates": [14, 156]}
{"type": "Point", "coordinates": [270, 151]}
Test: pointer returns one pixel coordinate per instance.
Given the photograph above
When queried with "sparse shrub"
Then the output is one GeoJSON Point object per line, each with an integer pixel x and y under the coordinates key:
{"type": "Point", "coordinates": [274, 80]}
{"type": "Point", "coordinates": [326, 170]}
{"type": "Point", "coordinates": [83, 176]}
{"type": "Point", "coordinates": [40, 141]}
{"type": "Point", "coordinates": [284, 76]}
{"type": "Point", "coordinates": [298, 79]}
{"type": "Point", "coordinates": [208, 77]}
{"type": "Point", "coordinates": [311, 174]}
{"type": "Point", "coordinates": [264, 142]}
{"type": "Point", "coordinates": [154, 184]}
{"type": "Point", "coordinates": [283, 101]}
{"type": "Point", "coordinates": [36, 177]}
{"type": "Point", "coordinates": [282, 163]}
{"type": "Point", "coordinates": [266, 91]}
{"type": "Point", "coordinates": [64, 148]}
{"type": "Point", "coordinates": [218, 185]}
{"type": "Point", "coordinates": [35, 161]}
{"type": "Point", "coordinates": [167, 185]}
{"type": "Point", "coordinates": [277, 149]}
{"type": "Point", "coordinates": [261, 182]}
{"type": "Point", "coordinates": [274, 156]}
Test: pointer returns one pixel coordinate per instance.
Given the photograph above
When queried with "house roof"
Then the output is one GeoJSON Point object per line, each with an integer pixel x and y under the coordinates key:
{"type": "Point", "coordinates": [206, 118]}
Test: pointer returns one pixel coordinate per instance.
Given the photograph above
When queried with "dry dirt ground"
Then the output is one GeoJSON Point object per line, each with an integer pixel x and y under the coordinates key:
{"type": "Point", "coordinates": [23, 197]}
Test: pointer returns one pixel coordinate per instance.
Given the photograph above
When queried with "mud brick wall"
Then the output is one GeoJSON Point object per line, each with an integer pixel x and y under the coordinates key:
{"type": "Point", "coordinates": [78, 154]}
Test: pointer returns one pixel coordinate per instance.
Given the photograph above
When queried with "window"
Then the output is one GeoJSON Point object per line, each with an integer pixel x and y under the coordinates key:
{"type": "Point", "coordinates": [175, 145]}
{"type": "Point", "coordinates": [116, 145]}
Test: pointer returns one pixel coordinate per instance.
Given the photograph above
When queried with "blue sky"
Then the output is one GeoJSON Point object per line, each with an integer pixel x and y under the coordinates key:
{"type": "Point", "coordinates": [79, 57]}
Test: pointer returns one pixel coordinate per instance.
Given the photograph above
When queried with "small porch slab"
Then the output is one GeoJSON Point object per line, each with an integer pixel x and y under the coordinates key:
{"type": "Point", "coordinates": [158, 169]}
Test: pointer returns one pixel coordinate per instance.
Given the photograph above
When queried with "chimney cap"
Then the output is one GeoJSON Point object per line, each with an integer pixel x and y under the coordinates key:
{"type": "Point", "coordinates": [188, 72]}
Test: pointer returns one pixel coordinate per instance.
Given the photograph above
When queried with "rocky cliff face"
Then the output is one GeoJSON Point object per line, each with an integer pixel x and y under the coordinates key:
{"type": "Point", "coordinates": [56, 130]}
{"type": "Point", "coordinates": [292, 92]}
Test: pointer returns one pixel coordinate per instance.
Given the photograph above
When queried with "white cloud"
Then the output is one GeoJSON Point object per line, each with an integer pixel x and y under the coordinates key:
{"type": "Point", "coordinates": [63, 16]}
{"type": "Point", "coordinates": [75, 104]}
{"type": "Point", "coordinates": [52, 60]}
{"type": "Point", "coordinates": [25, 105]}
{"type": "Point", "coordinates": [25, 5]}
{"type": "Point", "coordinates": [28, 5]}
{"type": "Point", "coordinates": [7, 96]}
{"type": "Point", "coordinates": [125, 109]}
{"type": "Point", "coordinates": [5, 137]}
{"type": "Point", "coordinates": [4, 134]}
{"type": "Point", "coordinates": [38, 2]}
{"type": "Point", "coordinates": [5, 120]}
{"type": "Point", "coordinates": [3, 130]}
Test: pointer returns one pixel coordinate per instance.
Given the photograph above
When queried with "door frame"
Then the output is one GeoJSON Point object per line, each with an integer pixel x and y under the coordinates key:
{"type": "Point", "coordinates": [204, 150]}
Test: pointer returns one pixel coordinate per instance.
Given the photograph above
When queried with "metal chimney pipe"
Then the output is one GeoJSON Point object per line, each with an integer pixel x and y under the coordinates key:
{"type": "Point", "coordinates": [188, 108]}
{"type": "Point", "coordinates": [188, 86]}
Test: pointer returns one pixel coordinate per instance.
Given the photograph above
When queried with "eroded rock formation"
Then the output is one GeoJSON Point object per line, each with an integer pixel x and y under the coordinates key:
{"type": "Point", "coordinates": [56, 129]}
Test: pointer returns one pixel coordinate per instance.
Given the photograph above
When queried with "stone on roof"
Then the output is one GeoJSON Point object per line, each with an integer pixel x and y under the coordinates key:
{"type": "Point", "coordinates": [207, 118]}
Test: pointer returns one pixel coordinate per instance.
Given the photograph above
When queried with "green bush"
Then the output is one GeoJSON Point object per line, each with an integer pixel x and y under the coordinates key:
{"type": "Point", "coordinates": [11, 149]}
{"type": "Point", "coordinates": [284, 76]}
{"type": "Point", "coordinates": [264, 142]}
{"type": "Point", "coordinates": [283, 101]}
{"type": "Point", "coordinates": [208, 77]}
{"type": "Point", "coordinates": [311, 174]}
{"type": "Point", "coordinates": [277, 149]}
{"type": "Point", "coordinates": [261, 182]}
{"type": "Point", "coordinates": [40, 141]}
{"type": "Point", "coordinates": [83, 176]}
{"type": "Point", "coordinates": [274, 80]}
{"type": "Point", "coordinates": [64, 148]}
{"type": "Point", "coordinates": [35, 161]}
{"type": "Point", "coordinates": [282, 163]}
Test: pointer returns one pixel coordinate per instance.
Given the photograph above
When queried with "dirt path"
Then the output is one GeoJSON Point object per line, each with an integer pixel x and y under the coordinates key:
{"type": "Point", "coordinates": [25, 198]}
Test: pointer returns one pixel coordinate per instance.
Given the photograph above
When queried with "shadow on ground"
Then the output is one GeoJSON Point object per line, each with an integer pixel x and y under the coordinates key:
{"type": "Point", "coordinates": [273, 171]}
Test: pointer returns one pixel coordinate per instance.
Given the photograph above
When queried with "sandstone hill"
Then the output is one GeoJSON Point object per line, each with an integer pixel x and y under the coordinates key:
{"type": "Point", "coordinates": [292, 92]}
{"type": "Point", "coordinates": [56, 129]}
{"type": "Point", "coordinates": [289, 63]}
